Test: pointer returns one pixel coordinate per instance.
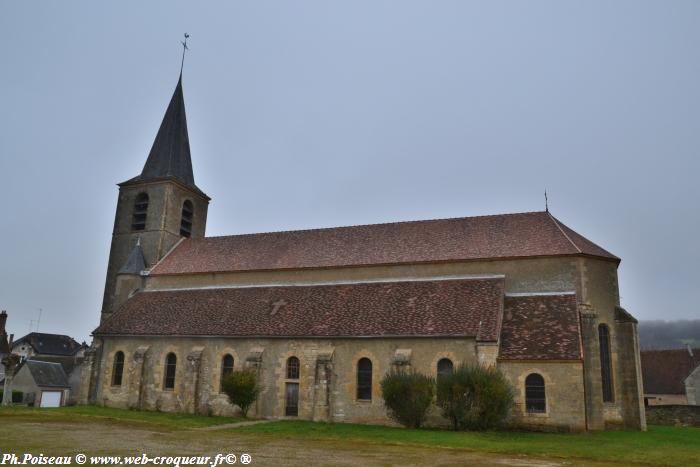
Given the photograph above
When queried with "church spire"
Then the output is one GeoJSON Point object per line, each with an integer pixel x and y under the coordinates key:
{"type": "Point", "coordinates": [170, 154]}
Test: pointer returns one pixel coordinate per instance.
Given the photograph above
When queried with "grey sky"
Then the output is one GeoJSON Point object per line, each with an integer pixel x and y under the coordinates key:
{"type": "Point", "coordinates": [308, 114]}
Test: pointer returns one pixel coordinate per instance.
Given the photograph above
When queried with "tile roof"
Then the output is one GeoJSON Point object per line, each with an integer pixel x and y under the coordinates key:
{"type": "Point", "coordinates": [540, 327]}
{"type": "Point", "coordinates": [456, 307]}
{"type": "Point", "coordinates": [663, 371]}
{"type": "Point", "coordinates": [49, 344]}
{"type": "Point", "coordinates": [470, 238]}
{"type": "Point", "coordinates": [47, 374]}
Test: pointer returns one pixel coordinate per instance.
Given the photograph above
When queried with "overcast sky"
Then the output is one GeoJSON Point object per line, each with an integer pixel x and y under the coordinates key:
{"type": "Point", "coordinates": [311, 114]}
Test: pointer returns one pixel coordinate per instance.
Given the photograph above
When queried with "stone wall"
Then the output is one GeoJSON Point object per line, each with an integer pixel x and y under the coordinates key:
{"type": "Point", "coordinates": [676, 415]}
{"type": "Point", "coordinates": [565, 407]}
{"type": "Point", "coordinates": [522, 275]}
{"type": "Point", "coordinates": [328, 376]}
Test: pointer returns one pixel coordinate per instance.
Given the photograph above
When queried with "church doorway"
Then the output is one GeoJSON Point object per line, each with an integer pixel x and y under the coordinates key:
{"type": "Point", "coordinates": [292, 400]}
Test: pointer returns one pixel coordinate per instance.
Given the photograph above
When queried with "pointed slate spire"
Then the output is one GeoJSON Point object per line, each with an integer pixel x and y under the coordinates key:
{"type": "Point", "coordinates": [136, 261]}
{"type": "Point", "coordinates": [170, 154]}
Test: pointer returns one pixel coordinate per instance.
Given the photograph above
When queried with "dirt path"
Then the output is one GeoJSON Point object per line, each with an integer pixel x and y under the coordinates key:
{"type": "Point", "coordinates": [226, 426]}
{"type": "Point", "coordinates": [121, 439]}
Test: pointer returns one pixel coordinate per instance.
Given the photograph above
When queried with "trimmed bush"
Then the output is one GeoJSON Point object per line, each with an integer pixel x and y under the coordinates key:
{"type": "Point", "coordinates": [407, 397]}
{"type": "Point", "coordinates": [242, 389]}
{"type": "Point", "coordinates": [475, 398]}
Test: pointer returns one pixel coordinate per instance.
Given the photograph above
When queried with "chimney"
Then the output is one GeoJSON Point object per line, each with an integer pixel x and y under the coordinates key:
{"type": "Point", "coordinates": [3, 320]}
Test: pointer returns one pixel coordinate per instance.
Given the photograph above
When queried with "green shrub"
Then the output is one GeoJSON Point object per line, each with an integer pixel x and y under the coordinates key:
{"type": "Point", "coordinates": [407, 397]}
{"type": "Point", "coordinates": [475, 397]}
{"type": "Point", "coordinates": [242, 389]}
{"type": "Point", "coordinates": [17, 396]}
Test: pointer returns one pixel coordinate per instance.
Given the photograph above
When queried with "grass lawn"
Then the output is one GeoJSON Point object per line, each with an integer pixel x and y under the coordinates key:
{"type": "Point", "coordinates": [133, 416]}
{"type": "Point", "coordinates": [660, 445]}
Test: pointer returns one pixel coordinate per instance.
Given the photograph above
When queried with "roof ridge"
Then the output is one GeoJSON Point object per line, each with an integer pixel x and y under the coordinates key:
{"type": "Point", "coordinates": [556, 222]}
{"type": "Point", "coordinates": [416, 221]}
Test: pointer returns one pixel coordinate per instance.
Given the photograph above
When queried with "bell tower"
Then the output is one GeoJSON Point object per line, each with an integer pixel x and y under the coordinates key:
{"type": "Point", "coordinates": [159, 207]}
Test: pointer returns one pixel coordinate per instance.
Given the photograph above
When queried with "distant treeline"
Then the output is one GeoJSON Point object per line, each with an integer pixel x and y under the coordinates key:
{"type": "Point", "coordinates": [669, 334]}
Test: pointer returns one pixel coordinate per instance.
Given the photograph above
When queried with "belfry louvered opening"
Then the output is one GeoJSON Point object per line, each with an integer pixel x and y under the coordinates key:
{"type": "Point", "coordinates": [138, 221]}
{"type": "Point", "coordinates": [186, 219]}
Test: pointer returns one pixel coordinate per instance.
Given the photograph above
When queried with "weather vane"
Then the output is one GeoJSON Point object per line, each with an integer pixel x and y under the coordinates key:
{"type": "Point", "coordinates": [184, 48]}
{"type": "Point", "coordinates": [546, 202]}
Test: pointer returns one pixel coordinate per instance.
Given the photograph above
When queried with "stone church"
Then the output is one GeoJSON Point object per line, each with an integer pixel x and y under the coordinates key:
{"type": "Point", "coordinates": [322, 314]}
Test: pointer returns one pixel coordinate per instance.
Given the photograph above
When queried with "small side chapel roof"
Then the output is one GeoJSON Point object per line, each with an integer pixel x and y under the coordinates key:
{"type": "Point", "coordinates": [135, 263]}
{"type": "Point", "coordinates": [450, 307]}
{"type": "Point", "coordinates": [540, 327]}
{"type": "Point", "coordinates": [503, 236]}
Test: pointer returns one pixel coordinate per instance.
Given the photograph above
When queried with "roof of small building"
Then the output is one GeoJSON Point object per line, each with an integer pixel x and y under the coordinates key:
{"type": "Point", "coordinates": [540, 327]}
{"type": "Point", "coordinates": [664, 371]}
{"type": "Point", "coordinates": [451, 307]}
{"type": "Point", "coordinates": [533, 234]}
{"type": "Point", "coordinates": [50, 344]}
{"type": "Point", "coordinates": [69, 362]}
{"type": "Point", "coordinates": [47, 374]}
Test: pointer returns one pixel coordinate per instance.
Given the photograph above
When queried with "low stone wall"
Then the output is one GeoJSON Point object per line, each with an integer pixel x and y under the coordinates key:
{"type": "Point", "coordinates": [677, 415]}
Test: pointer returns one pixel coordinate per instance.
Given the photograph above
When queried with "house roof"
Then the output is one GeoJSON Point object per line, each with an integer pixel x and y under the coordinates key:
{"type": "Point", "coordinates": [540, 327]}
{"type": "Point", "coordinates": [47, 374]}
{"type": "Point", "coordinates": [532, 234]}
{"type": "Point", "coordinates": [69, 363]}
{"type": "Point", "coordinates": [664, 371]}
{"type": "Point", "coordinates": [456, 307]}
{"type": "Point", "coordinates": [49, 344]}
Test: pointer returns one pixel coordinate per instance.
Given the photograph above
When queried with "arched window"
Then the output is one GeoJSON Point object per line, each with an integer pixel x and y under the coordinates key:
{"type": "Point", "coordinates": [364, 379]}
{"type": "Point", "coordinates": [138, 221]}
{"type": "Point", "coordinates": [605, 364]}
{"type": "Point", "coordinates": [170, 367]}
{"type": "Point", "coordinates": [444, 367]}
{"type": "Point", "coordinates": [118, 369]}
{"type": "Point", "coordinates": [292, 368]}
{"type": "Point", "coordinates": [226, 368]}
{"type": "Point", "coordinates": [535, 398]}
{"type": "Point", "coordinates": [186, 219]}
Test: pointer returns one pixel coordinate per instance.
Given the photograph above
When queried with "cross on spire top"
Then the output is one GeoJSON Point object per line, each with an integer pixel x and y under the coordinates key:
{"type": "Point", "coordinates": [184, 48]}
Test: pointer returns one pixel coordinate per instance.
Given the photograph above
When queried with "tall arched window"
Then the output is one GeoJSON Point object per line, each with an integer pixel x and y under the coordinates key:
{"type": "Point", "coordinates": [364, 379]}
{"type": "Point", "coordinates": [226, 368]}
{"type": "Point", "coordinates": [605, 364]}
{"type": "Point", "coordinates": [535, 397]}
{"type": "Point", "coordinates": [186, 219]}
{"type": "Point", "coordinates": [444, 367]}
{"type": "Point", "coordinates": [292, 368]}
{"type": "Point", "coordinates": [170, 367]}
{"type": "Point", "coordinates": [118, 369]}
{"type": "Point", "coordinates": [138, 221]}
{"type": "Point", "coordinates": [291, 408]}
